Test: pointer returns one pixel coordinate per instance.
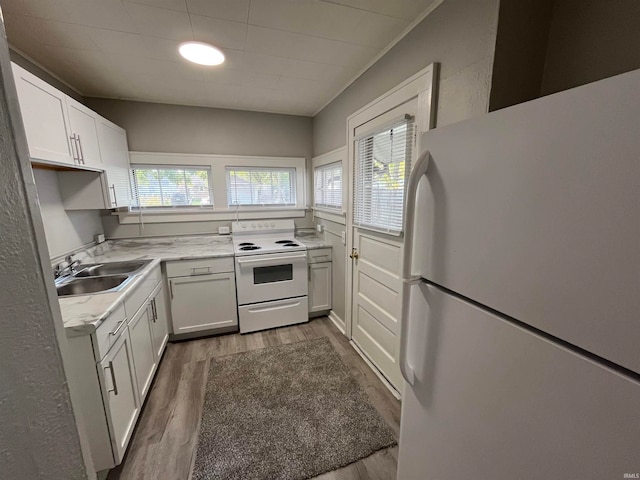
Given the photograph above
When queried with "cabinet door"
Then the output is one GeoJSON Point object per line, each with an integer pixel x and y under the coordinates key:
{"type": "Point", "coordinates": [159, 324]}
{"type": "Point", "coordinates": [84, 125]}
{"type": "Point", "coordinates": [319, 286]}
{"type": "Point", "coordinates": [115, 161]}
{"type": "Point", "coordinates": [203, 302]}
{"type": "Point", "coordinates": [144, 357]}
{"type": "Point", "coordinates": [44, 114]}
{"type": "Point", "coordinates": [119, 392]}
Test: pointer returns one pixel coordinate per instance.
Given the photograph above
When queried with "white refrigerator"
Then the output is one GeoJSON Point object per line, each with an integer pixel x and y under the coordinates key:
{"type": "Point", "coordinates": [520, 336]}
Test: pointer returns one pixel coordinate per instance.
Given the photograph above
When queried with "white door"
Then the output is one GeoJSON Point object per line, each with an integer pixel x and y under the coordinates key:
{"type": "Point", "coordinates": [115, 161]}
{"type": "Point", "coordinates": [44, 114]}
{"type": "Point", "coordinates": [159, 323]}
{"type": "Point", "coordinates": [203, 302]}
{"type": "Point", "coordinates": [492, 400]}
{"type": "Point", "coordinates": [376, 299]}
{"type": "Point", "coordinates": [320, 287]}
{"type": "Point", "coordinates": [144, 356]}
{"type": "Point", "coordinates": [119, 391]}
{"type": "Point", "coordinates": [84, 128]}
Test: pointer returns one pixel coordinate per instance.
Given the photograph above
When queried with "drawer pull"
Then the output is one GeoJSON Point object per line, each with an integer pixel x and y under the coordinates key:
{"type": "Point", "coordinates": [200, 270]}
{"type": "Point", "coordinates": [120, 324]}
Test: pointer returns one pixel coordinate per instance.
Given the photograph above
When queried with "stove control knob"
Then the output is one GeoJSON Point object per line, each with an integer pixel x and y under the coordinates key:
{"type": "Point", "coordinates": [273, 225]}
{"type": "Point", "coordinates": [253, 225]}
{"type": "Point", "coordinates": [244, 225]}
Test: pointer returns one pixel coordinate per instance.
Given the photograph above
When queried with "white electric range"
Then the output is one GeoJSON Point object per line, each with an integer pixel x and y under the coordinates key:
{"type": "Point", "coordinates": [271, 274]}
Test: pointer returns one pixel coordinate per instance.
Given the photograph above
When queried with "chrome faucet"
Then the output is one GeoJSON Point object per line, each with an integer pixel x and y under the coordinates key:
{"type": "Point", "coordinates": [68, 269]}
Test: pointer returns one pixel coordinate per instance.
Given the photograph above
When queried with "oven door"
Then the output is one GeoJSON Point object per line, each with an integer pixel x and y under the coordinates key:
{"type": "Point", "coordinates": [261, 278]}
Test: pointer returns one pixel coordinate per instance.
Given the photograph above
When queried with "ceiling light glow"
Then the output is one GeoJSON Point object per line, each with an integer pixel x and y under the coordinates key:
{"type": "Point", "coordinates": [201, 53]}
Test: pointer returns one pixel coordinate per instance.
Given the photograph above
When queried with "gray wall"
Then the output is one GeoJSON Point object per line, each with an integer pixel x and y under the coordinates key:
{"type": "Point", "coordinates": [155, 127]}
{"type": "Point", "coordinates": [39, 437]}
{"type": "Point", "coordinates": [66, 230]}
{"type": "Point", "coordinates": [460, 35]}
{"type": "Point", "coordinates": [590, 40]}
{"type": "Point", "coordinates": [521, 47]}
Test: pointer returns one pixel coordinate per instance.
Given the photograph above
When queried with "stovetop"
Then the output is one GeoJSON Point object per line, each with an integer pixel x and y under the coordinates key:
{"type": "Point", "coordinates": [261, 237]}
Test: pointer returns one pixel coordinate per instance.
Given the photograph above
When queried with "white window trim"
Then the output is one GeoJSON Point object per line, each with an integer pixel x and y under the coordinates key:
{"type": "Point", "coordinates": [332, 214]}
{"type": "Point", "coordinates": [220, 210]}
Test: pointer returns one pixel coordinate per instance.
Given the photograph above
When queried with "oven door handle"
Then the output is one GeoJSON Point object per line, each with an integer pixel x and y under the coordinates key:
{"type": "Point", "coordinates": [269, 260]}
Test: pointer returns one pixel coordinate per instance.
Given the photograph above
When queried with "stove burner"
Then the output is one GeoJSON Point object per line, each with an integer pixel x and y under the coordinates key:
{"type": "Point", "coordinates": [246, 244]}
{"type": "Point", "coordinates": [250, 247]}
{"type": "Point", "coordinates": [290, 244]}
{"type": "Point", "coordinates": [284, 241]}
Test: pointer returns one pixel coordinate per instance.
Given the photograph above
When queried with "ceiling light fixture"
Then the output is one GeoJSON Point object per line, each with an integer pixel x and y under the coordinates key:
{"type": "Point", "coordinates": [201, 53]}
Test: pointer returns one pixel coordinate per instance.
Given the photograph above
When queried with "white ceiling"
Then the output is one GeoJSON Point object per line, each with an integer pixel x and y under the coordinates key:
{"type": "Point", "coordinates": [289, 56]}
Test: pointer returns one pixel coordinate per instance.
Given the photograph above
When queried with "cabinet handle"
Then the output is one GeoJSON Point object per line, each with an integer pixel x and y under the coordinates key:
{"type": "Point", "coordinates": [171, 289]}
{"type": "Point", "coordinates": [80, 152]}
{"type": "Point", "coordinates": [115, 198]}
{"type": "Point", "coordinates": [120, 324]}
{"type": "Point", "coordinates": [309, 272]}
{"type": "Point", "coordinates": [113, 379]}
{"type": "Point", "coordinates": [200, 270]}
{"type": "Point", "coordinates": [154, 311]}
{"type": "Point", "coordinates": [74, 150]}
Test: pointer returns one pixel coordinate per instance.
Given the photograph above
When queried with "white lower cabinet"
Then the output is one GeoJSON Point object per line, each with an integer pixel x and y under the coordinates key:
{"type": "Point", "coordinates": [120, 393]}
{"type": "Point", "coordinates": [144, 355]}
{"type": "Point", "coordinates": [320, 279]}
{"type": "Point", "coordinates": [203, 302]}
{"type": "Point", "coordinates": [319, 287]}
{"type": "Point", "coordinates": [111, 370]}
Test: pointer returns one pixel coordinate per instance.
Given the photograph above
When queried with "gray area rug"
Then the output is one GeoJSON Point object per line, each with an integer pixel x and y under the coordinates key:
{"type": "Point", "coordinates": [289, 412]}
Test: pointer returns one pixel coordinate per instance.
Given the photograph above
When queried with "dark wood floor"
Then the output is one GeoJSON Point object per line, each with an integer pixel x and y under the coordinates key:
{"type": "Point", "coordinates": [164, 444]}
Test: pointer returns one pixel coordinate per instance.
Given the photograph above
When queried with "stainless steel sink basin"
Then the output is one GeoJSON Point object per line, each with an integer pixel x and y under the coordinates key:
{"type": "Point", "coordinates": [82, 286]}
{"type": "Point", "coordinates": [112, 268]}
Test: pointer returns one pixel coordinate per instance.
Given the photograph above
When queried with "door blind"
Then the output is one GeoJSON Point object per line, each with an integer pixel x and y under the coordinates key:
{"type": "Point", "coordinates": [327, 190]}
{"type": "Point", "coordinates": [383, 162]}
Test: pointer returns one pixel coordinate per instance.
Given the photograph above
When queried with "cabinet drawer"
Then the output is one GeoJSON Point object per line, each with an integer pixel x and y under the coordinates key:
{"type": "Point", "coordinates": [109, 331]}
{"type": "Point", "coordinates": [137, 297]}
{"type": "Point", "coordinates": [203, 266]}
{"type": "Point", "coordinates": [319, 255]}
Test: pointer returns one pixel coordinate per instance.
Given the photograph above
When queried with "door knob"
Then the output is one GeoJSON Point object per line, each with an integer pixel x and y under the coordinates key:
{"type": "Point", "coordinates": [354, 254]}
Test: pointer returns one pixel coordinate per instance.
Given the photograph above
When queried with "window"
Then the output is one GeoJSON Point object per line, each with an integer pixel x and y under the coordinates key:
{"type": "Point", "coordinates": [327, 190]}
{"type": "Point", "coordinates": [382, 164]}
{"type": "Point", "coordinates": [171, 186]}
{"type": "Point", "coordinates": [264, 186]}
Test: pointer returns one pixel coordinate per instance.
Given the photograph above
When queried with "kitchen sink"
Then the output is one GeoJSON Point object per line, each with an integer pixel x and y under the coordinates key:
{"type": "Point", "coordinates": [112, 268]}
{"type": "Point", "coordinates": [83, 286]}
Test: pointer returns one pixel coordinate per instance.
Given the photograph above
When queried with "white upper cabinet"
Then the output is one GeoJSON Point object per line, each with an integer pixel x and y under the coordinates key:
{"type": "Point", "coordinates": [44, 114]}
{"type": "Point", "coordinates": [84, 133]}
{"type": "Point", "coordinates": [115, 162]}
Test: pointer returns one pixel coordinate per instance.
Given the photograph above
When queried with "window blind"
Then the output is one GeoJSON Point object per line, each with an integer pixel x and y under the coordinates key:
{"type": "Point", "coordinates": [171, 186]}
{"type": "Point", "coordinates": [262, 186]}
{"type": "Point", "coordinates": [327, 190]}
{"type": "Point", "coordinates": [383, 162]}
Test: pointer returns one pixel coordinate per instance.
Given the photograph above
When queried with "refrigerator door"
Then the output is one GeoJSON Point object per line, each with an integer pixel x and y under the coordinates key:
{"type": "Point", "coordinates": [533, 211]}
{"type": "Point", "coordinates": [492, 401]}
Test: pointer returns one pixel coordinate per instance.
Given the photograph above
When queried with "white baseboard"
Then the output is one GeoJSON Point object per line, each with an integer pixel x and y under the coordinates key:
{"type": "Point", "coordinates": [338, 322]}
{"type": "Point", "coordinates": [382, 378]}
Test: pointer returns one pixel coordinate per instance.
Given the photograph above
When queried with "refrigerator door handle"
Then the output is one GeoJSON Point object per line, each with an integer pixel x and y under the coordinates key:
{"type": "Point", "coordinates": [417, 172]}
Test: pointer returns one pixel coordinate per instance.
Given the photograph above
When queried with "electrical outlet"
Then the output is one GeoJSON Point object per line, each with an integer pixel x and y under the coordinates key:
{"type": "Point", "coordinates": [344, 238]}
{"type": "Point", "coordinates": [223, 230]}
{"type": "Point", "coordinates": [319, 228]}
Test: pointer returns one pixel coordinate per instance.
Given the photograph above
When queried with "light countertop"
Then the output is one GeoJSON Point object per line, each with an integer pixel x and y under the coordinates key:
{"type": "Point", "coordinates": [83, 314]}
